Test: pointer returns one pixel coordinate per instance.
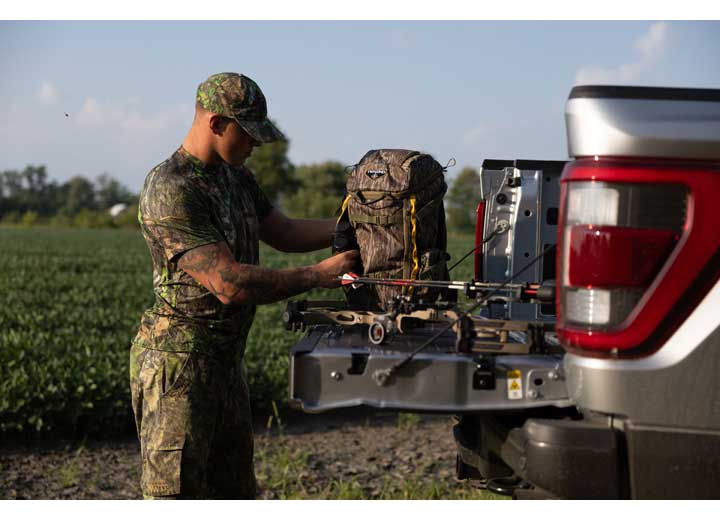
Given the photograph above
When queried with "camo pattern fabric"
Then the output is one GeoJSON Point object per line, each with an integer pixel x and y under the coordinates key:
{"type": "Point", "coordinates": [381, 186]}
{"type": "Point", "coordinates": [238, 97]}
{"type": "Point", "coordinates": [193, 419]}
{"type": "Point", "coordinates": [189, 394]}
{"type": "Point", "coordinates": [185, 204]}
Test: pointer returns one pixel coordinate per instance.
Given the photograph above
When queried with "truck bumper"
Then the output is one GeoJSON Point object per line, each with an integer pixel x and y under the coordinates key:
{"type": "Point", "coordinates": [587, 458]}
{"type": "Point", "coordinates": [560, 457]}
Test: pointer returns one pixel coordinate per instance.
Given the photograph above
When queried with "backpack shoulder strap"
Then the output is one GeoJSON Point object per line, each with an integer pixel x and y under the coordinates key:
{"type": "Point", "coordinates": [343, 209]}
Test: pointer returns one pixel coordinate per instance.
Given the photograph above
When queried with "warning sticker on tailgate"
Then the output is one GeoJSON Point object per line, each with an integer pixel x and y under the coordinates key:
{"type": "Point", "coordinates": [514, 384]}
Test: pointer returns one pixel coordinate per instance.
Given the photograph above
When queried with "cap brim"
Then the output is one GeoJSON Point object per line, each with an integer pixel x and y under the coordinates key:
{"type": "Point", "coordinates": [262, 131]}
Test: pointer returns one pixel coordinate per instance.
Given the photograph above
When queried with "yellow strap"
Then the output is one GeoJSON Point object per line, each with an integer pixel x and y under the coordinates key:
{"type": "Point", "coordinates": [344, 207]}
{"type": "Point", "coordinates": [413, 222]}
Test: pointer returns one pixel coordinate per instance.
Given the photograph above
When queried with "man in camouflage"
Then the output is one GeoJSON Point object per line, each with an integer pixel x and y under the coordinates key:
{"type": "Point", "coordinates": [202, 213]}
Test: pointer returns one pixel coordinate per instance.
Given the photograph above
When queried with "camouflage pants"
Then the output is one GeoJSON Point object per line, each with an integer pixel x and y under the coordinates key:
{"type": "Point", "coordinates": [193, 419]}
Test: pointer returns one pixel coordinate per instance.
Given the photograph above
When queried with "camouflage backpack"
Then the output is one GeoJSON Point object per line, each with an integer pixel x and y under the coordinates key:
{"type": "Point", "coordinates": [395, 206]}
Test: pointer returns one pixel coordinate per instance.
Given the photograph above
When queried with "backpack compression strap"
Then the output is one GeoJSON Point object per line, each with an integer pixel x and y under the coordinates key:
{"type": "Point", "coordinates": [413, 223]}
{"type": "Point", "coordinates": [378, 220]}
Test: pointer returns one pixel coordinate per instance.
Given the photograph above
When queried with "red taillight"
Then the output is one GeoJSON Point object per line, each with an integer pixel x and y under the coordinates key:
{"type": "Point", "coordinates": [638, 247]}
{"type": "Point", "coordinates": [479, 237]}
{"type": "Point", "coordinates": [617, 256]}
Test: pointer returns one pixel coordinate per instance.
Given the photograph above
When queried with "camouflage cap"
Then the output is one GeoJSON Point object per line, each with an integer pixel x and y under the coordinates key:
{"type": "Point", "coordinates": [238, 97]}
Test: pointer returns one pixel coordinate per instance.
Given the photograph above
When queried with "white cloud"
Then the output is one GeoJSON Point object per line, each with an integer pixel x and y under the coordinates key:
{"type": "Point", "coordinates": [127, 116]}
{"type": "Point", "coordinates": [134, 121]}
{"type": "Point", "coordinates": [649, 46]}
{"type": "Point", "coordinates": [652, 44]}
{"type": "Point", "coordinates": [475, 135]}
{"type": "Point", "coordinates": [91, 113]}
{"type": "Point", "coordinates": [621, 74]}
{"type": "Point", "coordinates": [47, 93]}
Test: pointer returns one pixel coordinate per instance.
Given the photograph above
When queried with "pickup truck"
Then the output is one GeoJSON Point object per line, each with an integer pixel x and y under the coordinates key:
{"type": "Point", "coordinates": [613, 391]}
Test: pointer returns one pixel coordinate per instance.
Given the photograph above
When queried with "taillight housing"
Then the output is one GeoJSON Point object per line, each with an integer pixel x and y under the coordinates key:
{"type": "Point", "coordinates": [638, 247]}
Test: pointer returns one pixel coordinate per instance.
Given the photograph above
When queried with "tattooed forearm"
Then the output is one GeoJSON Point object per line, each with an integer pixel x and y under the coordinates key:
{"type": "Point", "coordinates": [214, 267]}
{"type": "Point", "coordinates": [253, 284]}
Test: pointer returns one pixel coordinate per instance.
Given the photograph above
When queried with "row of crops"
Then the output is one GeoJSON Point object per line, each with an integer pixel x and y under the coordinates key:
{"type": "Point", "coordinates": [70, 302]}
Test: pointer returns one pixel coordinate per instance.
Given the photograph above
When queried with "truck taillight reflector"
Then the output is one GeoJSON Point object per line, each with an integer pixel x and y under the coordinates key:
{"type": "Point", "coordinates": [638, 246]}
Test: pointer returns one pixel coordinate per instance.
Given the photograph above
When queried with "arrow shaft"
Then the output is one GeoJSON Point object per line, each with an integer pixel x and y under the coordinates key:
{"type": "Point", "coordinates": [453, 285]}
{"type": "Point", "coordinates": [406, 283]}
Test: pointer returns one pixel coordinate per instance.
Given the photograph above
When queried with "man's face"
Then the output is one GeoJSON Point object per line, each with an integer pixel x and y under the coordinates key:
{"type": "Point", "coordinates": [235, 145]}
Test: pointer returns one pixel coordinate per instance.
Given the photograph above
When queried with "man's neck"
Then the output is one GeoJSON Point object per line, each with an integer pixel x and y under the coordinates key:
{"type": "Point", "coordinates": [199, 147]}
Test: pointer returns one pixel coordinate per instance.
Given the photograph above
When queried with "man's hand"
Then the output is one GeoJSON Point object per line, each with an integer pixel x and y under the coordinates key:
{"type": "Point", "coordinates": [331, 269]}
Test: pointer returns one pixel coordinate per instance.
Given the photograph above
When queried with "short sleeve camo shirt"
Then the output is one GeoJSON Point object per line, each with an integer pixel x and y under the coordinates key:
{"type": "Point", "coordinates": [185, 204]}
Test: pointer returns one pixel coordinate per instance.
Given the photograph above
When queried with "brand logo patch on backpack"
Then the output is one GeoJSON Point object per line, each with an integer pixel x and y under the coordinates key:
{"type": "Point", "coordinates": [375, 174]}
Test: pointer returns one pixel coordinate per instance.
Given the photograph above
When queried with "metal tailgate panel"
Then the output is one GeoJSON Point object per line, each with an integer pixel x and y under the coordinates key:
{"type": "Point", "coordinates": [522, 198]}
{"type": "Point", "coordinates": [331, 369]}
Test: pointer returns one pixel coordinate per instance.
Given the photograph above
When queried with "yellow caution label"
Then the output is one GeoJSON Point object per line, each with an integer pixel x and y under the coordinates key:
{"type": "Point", "coordinates": [514, 384]}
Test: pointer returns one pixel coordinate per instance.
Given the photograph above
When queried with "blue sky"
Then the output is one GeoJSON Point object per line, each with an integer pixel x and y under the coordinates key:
{"type": "Point", "coordinates": [468, 90]}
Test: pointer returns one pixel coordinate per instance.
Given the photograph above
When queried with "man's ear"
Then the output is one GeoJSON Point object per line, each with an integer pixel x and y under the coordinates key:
{"type": "Point", "coordinates": [217, 124]}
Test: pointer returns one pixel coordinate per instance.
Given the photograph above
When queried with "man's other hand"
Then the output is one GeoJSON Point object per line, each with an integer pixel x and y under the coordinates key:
{"type": "Point", "coordinates": [331, 269]}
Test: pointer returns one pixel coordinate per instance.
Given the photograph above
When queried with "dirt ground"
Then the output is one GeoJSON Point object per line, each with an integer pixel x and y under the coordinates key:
{"type": "Point", "coordinates": [310, 453]}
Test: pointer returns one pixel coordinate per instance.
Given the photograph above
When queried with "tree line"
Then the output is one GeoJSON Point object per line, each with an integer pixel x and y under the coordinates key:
{"type": "Point", "coordinates": [316, 190]}
{"type": "Point", "coordinates": [28, 197]}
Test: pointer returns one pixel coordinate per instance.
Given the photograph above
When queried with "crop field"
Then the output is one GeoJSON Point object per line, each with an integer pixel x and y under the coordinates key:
{"type": "Point", "coordinates": [70, 302]}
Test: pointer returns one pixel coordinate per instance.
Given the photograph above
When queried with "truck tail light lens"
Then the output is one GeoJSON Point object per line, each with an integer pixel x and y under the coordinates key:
{"type": "Point", "coordinates": [594, 260]}
{"type": "Point", "coordinates": [479, 238]}
{"type": "Point", "coordinates": [636, 239]}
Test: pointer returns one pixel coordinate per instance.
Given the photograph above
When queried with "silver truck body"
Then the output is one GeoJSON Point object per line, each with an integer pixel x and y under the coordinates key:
{"type": "Point", "coordinates": [646, 123]}
{"type": "Point", "coordinates": [647, 427]}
